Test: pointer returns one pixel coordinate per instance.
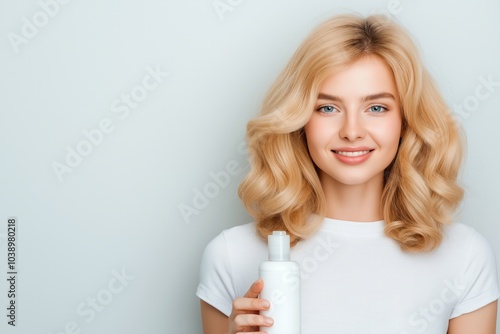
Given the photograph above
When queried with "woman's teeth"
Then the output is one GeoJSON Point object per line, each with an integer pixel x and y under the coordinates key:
{"type": "Point", "coordinates": [351, 154]}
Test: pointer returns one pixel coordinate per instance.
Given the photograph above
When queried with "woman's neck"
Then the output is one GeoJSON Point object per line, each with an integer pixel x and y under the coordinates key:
{"type": "Point", "coordinates": [360, 202]}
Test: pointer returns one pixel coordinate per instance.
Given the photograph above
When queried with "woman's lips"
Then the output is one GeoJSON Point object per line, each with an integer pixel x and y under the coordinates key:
{"type": "Point", "coordinates": [352, 157]}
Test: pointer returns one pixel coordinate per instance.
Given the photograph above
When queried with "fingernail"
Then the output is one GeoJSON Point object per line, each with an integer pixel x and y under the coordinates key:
{"type": "Point", "coordinates": [268, 321]}
{"type": "Point", "coordinates": [265, 303]}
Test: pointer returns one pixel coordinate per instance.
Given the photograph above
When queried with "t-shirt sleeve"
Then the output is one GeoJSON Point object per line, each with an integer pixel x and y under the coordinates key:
{"type": "Point", "coordinates": [216, 284]}
{"type": "Point", "coordinates": [478, 284]}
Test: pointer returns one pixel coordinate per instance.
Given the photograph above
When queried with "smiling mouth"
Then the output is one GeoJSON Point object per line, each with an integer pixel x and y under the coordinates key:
{"type": "Point", "coordinates": [352, 154]}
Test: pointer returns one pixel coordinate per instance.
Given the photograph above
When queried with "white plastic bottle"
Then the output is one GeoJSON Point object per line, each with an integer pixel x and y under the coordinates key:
{"type": "Point", "coordinates": [281, 286]}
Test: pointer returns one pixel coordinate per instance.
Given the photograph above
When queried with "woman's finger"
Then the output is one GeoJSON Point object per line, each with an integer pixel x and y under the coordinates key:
{"type": "Point", "coordinates": [252, 320]}
{"type": "Point", "coordinates": [250, 304]}
{"type": "Point", "coordinates": [255, 289]}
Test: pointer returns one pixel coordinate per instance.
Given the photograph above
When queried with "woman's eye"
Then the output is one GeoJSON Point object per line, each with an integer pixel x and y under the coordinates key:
{"type": "Point", "coordinates": [377, 109]}
{"type": "Point", "coordinates": [327, 109]}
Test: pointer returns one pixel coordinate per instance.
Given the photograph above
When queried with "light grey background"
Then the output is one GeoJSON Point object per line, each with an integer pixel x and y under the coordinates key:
{"type": "Point", "coordinates": [119, 210]}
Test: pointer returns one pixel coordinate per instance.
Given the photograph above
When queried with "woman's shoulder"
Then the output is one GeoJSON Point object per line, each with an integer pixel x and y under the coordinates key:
{"type": "Point", "coordinates": [237, 240]}
{"type": "Point", "coordinates": [463, 234]}
{"type": "Point", "coordinates": [477, 277]}
{"type": "Point", "coordinates": [241, 231]}
{"type": "Point", "coordinates": [229, 265]}
{"type": "Point", "coordinates": [245, 233]}
{"type": "Point", "coordinates": [465, 240]}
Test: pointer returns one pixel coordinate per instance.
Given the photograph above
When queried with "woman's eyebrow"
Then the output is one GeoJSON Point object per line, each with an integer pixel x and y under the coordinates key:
{"type": "Point", "coordinates": [378, 96]}
{"type": "Point", "coordinates": [323, 96]}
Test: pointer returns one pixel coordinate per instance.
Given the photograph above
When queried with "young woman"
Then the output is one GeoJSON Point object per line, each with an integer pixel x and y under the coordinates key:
{"type": "Point", "coordinates": [356, 156]}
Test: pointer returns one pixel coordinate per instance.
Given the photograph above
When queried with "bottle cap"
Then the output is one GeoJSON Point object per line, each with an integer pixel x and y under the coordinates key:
{"type": "Point", "coordinates": [278, 244]}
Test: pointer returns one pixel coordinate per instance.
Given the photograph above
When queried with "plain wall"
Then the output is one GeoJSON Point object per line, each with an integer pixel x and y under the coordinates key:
{"type": "Point", "coordinates": [103, 246]}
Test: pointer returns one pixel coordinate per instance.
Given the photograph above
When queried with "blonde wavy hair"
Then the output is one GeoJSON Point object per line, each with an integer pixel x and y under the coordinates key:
{"type": "Point", "coordinates": [282, 191]}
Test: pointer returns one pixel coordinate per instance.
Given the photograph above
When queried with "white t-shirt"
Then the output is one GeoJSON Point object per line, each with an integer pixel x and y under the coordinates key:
{"type": "Point", "coordinates": [356, 280]}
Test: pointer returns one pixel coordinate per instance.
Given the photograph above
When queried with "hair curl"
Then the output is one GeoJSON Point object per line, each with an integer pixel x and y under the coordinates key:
{"type": "Point", "coordinates": [282, 190]}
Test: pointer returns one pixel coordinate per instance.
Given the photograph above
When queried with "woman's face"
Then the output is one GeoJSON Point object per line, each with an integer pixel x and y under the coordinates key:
{"type": "Point", "coordinates": [354, 132]}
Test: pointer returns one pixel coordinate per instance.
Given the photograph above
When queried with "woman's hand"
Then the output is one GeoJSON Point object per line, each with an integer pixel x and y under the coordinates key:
{"type": "Point", "coordinates": [245, 314]}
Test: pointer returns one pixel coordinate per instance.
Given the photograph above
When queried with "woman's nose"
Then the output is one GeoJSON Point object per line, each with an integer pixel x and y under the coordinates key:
{"type": "Point", "coordinates": [352, 128]}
